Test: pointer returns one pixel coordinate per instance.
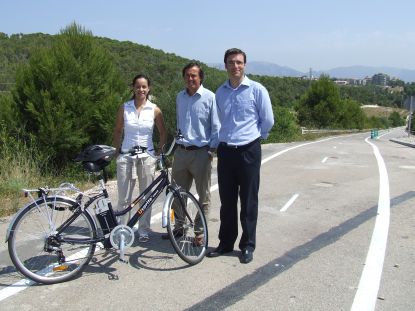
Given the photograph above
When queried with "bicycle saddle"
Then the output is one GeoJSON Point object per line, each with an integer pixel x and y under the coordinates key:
{"type": "Point", "coordinates": [95, 157]}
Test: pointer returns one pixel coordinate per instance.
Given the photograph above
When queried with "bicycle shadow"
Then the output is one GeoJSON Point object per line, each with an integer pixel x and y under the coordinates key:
{"type": "Point", "coordinates": [156, 255]}
{"type": "Point", "coordinates": [103, 262]}
{"type": "Point", "coordinates": [10, 277]}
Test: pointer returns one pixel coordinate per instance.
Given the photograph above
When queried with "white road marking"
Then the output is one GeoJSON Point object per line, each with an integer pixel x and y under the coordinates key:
{"type": "Point", "coordinates": [324, 160]}
{"type": "Point", "coordinates": [25, 283]}
{"type": "Point", "coordinates": [289, 203]}
{"type": "Point", "coordinates": [294, 147]}
{"type": "Point", "coordinates": [15, 288]}
{"type": "Point", "coordinates": [366, 295]}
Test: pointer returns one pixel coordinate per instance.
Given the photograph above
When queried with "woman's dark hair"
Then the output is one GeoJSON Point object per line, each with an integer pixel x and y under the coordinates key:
{"type": "Point", "coordinates": [194, 64]}
{"type": "Point", "coordinates": [232, 52]}
{"type": "Point", "coordinates": [141, 76]}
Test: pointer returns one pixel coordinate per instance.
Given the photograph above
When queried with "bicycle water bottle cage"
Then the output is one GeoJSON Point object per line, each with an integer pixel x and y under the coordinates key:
{"type": "Point", "coordinates": [94, 158]}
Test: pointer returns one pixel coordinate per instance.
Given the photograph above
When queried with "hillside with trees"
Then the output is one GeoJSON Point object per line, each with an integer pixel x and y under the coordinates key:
{"type": "Point", "coordinates": [60, 93]}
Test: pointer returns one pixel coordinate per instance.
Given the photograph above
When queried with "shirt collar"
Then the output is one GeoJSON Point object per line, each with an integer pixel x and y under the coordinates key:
{"type": "Point", "coordinates": [246, 81]}
{"type": "Point", "coordinates": [199, 91]}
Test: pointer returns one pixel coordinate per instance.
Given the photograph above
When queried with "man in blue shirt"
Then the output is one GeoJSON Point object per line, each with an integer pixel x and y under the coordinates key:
{"type": "Point", "coordinates": [246, 117]}
{"type": "Point", "coordinates": [198, 122]}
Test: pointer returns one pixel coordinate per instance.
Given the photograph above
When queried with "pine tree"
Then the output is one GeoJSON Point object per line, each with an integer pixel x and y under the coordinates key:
{"type": "Point", "coordinates": [68, 94]}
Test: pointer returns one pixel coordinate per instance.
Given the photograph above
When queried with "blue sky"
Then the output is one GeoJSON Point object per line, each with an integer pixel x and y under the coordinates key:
{"type": "Point", "coordinates": [302, 34]}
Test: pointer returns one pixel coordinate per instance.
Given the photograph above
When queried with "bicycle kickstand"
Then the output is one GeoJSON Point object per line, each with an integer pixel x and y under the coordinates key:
{"type": "Point", "coordinates": [122, 249]}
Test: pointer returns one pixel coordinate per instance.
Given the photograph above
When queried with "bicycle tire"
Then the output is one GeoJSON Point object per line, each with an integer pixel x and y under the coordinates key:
{"type": "Point", "coordinates": [189, 237]}
{"type": "Point", "coordinates": [32, 228]}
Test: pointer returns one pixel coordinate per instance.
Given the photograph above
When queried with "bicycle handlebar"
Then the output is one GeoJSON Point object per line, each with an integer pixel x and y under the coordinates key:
{"type": "Point", "coordinates": [140, 150]}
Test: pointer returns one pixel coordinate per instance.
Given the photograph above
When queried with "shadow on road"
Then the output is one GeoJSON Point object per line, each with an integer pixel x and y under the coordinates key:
{"type": "Point", "coordinates": [249, 283]}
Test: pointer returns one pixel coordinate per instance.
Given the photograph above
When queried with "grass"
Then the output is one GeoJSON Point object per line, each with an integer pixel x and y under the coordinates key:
{"type": "Point", "coordinates": [24, 166]}
{"type": "Point", "coordinates": [382, 112]}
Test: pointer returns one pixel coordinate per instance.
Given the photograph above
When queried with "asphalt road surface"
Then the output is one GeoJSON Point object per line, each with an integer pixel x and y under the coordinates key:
{"type": "Point", "coordinates": [335, 232]}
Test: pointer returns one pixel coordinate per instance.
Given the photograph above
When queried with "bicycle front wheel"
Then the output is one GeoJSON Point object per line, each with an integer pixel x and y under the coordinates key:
{"type": "Point", "coordinates": [187, 227]}
{"type": "Point", "coordinates": [44, 256]}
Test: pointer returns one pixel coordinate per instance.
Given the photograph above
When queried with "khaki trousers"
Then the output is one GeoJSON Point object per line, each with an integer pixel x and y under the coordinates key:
{"type": "Point", "coordinates": [194, 165]}
{"type": "Point", "coordinates": [131, 169]}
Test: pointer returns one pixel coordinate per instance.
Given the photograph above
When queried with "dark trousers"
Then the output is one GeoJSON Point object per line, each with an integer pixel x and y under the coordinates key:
{"type": "Point", "coordinates": [238, 173]}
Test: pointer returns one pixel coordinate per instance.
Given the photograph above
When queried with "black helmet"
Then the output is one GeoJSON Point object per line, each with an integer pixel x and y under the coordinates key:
{"type": "Point", "coordinates": [94, 158]}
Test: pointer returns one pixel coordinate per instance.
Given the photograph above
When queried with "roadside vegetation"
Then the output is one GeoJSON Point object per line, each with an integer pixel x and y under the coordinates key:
{"type": "Point", "coordinates": [60, 93]}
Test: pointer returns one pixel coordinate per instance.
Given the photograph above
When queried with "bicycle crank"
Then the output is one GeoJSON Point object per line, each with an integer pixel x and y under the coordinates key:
{"type": "Point", "coordinates": [122, 237]}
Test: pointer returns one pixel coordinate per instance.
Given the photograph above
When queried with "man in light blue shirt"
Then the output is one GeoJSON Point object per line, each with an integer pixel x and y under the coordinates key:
{"type": "Point", "coordinates": [198, 122]}
{"type": "Point", "coordinates": [246, 117]}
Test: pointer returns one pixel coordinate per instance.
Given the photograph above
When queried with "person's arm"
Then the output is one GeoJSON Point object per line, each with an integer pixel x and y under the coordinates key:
{"type": "Point", "coordinates": [161, 127]}
{"type": "Point", "coordinates": [214, 127]}
{"type": "Point", "coordinates": [266, 115]}
{"type": "Point", "coordinates": [118, 129]}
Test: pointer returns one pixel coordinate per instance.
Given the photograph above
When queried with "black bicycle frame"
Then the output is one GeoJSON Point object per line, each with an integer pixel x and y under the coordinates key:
{"type": "Point", "coordinates": [159, 184]}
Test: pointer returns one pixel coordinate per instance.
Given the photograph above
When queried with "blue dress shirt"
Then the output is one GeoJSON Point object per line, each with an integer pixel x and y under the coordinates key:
{"type": "Point", "coordinates": [197, 118]}
{"type": "Point", "coordinates": [245, 113]}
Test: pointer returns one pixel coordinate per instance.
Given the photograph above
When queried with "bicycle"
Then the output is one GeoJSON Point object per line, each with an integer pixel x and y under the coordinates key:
{"type": "Point", "coordinates": [53, 238]}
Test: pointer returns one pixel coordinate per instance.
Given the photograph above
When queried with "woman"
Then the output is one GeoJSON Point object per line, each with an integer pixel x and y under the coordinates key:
{"type": "Point", "coordinates": [134, 127]}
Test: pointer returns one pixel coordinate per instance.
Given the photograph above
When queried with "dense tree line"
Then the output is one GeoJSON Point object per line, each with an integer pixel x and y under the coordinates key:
{"type": "Point", "coordinates": [64, 91]}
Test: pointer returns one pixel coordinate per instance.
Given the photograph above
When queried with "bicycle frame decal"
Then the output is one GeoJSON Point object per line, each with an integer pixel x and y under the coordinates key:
{"type": "Point", "coordinates": [160, 183]}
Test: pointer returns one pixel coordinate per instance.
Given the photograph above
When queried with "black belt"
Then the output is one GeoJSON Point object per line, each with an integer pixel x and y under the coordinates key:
{"type": "Point", "coordinates": [191, 147]}
{"type": "Point", "coordinates": [222, 144]}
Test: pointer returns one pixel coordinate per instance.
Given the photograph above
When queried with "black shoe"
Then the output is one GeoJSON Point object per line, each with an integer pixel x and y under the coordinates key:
{"type": "Point", "coordinates": [219, 251]}
{"type": "Point", "coordinates": [176, 233]}
{"type": "Point", "coordinates": [246, 256]}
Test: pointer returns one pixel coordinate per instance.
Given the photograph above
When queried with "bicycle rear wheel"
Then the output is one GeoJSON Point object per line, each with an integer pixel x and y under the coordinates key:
{"type": "Point", "coordinates": [187, 227]}
{"type": "Point", "coordinates": [41, 254]}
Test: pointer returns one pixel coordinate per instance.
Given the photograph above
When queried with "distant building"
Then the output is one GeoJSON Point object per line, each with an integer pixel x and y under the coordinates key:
{"type": "Point", "coordinates": [367, 80]}
{"type": "Point", "coordinates": [381, 79]}
{"type": "Point", "coordinates": [341, 82]}
{"type": "Point", "coordinates": [349, 81]}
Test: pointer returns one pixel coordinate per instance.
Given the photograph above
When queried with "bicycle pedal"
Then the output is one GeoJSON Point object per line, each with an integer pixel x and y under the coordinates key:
{"type": "Point", "coordinates": [113, 277]}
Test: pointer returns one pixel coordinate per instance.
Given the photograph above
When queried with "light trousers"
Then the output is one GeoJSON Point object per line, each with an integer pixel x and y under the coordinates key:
{"type": "Point", "coordinates": [131, 169]}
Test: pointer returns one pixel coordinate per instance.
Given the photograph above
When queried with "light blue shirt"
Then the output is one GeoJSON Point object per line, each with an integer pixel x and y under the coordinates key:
{"type": "Point", "coordinates": [245, 113]}
{"type": "Point", "coordinates": [197, 118]}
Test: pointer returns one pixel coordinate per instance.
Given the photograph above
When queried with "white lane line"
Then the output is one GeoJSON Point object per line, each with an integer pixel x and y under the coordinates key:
{"type": "Point", "coordinates": [25, 283]}
{"type": "Point", "coordinates": [294, 147]}
{"type": "Point", "coordinates": [289, 203]}
{"type": "Point", "coordinates": [17, 287]}
{"type": "Point", "coordinates": [324, 160]}
{"type": "Point", "coordinates": [215, 187]}
{"type": "Point", "coordinates": [366, 294]}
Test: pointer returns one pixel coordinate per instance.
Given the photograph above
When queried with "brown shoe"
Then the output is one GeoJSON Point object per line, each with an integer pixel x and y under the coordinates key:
{"type": "Point", "coordinates": [199, 240]}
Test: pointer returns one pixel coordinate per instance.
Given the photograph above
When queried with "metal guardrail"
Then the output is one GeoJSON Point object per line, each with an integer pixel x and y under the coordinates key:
{"type": "Point", "coordinates": [322, 131]}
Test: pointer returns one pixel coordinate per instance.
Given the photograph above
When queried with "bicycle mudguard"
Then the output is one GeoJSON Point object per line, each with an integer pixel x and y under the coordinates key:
{"type": "Point", "coordinates": [171, 192]}
{"type": "Point", "coordinates": [165, 212]}
{"type": "Point", "coordinates": [9, 228]}
{"type": "Point", "coordinates": [37, 202]}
